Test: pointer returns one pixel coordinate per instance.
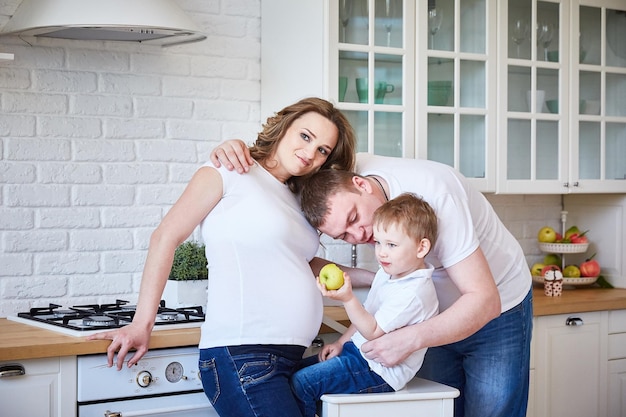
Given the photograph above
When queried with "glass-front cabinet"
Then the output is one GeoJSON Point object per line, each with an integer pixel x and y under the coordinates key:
{"type": "Point", "coordinates": [413, 77]}
{"type": "Point", "coordinates": [521, 96]}
{"type": "Point", "coordinates": [562, 126]}
{"type": "Point", "coordinates": [373, 55]}
{"type": "Point", "coordinates": [456, 100]}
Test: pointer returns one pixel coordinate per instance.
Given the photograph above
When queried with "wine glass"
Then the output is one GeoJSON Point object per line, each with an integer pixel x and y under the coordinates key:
{"type": "Point", "coordinates": [365, 5]}
{"type": "Point", "coordinates": [345, 12]}
{"type": "Point", "coordinates": [545, 33]}
{"type": "Point", "coordinates": [519, 32]}
{"type": "Point", "coordinates": [435, 17]}
{"type": "Point", "coordinates": [390, 13]}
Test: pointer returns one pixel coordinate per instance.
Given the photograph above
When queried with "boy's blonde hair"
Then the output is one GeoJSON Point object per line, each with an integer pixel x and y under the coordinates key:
{"type": "Point", "coordinates": [414, 216]}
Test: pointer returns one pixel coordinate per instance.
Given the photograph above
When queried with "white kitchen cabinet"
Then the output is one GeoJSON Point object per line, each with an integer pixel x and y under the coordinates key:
{"type": "Point", "coordinates": [425, 90]}
{"type": "Point", "coordinates": [47, 388]}
{"type": "Point", "coordinates": [570, 377]}
{"type": "Point", "coordinates": [562, 89]}
{"type": "Point", "coordinates": [617, 364]}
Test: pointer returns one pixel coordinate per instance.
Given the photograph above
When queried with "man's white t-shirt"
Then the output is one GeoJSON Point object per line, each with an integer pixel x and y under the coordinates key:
{"type": "Point", "coordinates": [466, 221]}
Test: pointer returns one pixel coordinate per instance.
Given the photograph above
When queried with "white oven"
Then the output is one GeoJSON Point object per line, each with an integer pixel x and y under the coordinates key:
{"type": "Point", "coordinates": [165, 382]}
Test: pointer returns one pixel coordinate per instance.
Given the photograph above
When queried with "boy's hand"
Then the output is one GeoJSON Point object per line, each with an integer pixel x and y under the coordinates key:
{"type": "Point", "coordinates": [330, 351]}
{"type": "Point", "coordinates": [343, 294]}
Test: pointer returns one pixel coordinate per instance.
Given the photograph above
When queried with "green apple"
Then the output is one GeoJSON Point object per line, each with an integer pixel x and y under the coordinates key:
{"type": "Point", "coordinates": [535, 270]}
{"type": "Point", "coordinates": [571, 231]}
{"type": "Point", "coordinates": [331, 276]}
{"type": "Point", "coordinates": [571, 271]}
{"type": "Point", "coordinates": [552, 259]}
{"type": "Point", "coordinates": [546, 235]}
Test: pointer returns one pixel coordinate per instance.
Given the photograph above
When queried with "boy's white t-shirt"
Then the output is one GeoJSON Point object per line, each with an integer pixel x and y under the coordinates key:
{"type": "Point", "coordinates": [397, 303]}
{"type": "Point", "coordinates": [258, 247]}
{"type": "Point", "coordinates": [466, 220]}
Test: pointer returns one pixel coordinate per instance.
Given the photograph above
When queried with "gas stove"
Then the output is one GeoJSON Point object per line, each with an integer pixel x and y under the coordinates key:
{"type": "Point", "coordinates": [84, 320]}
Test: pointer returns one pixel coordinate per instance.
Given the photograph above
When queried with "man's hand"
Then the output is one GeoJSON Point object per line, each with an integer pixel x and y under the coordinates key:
{"type": "Point", "coordinates": [122, 341]}
{"type": "Point", "coordinates": [233, 154]}
{"type": "Point", "coordinates": [391, 348]}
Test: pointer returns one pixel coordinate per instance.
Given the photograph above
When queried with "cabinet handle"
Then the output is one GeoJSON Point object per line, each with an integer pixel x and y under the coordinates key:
{"type": "Point", "coordinates": [574, 321]}
{"type": "Point", "coordinates": [12, 369]}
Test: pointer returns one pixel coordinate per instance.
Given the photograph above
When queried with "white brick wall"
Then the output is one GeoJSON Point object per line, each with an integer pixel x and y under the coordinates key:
{"type": "Point", "coordinates": [97, 140]}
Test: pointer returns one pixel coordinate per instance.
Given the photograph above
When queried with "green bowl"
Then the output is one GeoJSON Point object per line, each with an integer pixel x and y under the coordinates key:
{"type": "Point", "coordinates": [553, 56]}
{"type": "Point", "coordinates": [553, 106]}
{"type": "Point", "coordinates": [439, 92]}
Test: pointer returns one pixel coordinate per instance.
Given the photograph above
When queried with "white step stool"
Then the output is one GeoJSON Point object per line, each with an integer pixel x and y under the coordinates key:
{"type": "Point", "coordinates": [420, 398]}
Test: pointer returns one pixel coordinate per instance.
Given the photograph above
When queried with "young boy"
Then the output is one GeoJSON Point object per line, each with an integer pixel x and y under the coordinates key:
{"type": "Point", "coordinates": [401, 294]}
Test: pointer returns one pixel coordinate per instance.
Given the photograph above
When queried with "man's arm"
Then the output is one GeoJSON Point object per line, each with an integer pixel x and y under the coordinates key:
{"type": "Point", "coordinates": [479, 303]}
{"type": "Point", "coordinates": [360, 277]}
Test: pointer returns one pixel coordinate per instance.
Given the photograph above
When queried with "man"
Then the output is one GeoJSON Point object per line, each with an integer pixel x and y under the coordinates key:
{"type": "Point", "coordinates": [480, 343]}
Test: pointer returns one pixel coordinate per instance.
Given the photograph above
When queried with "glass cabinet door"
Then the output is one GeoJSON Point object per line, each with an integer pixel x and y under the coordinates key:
{"type": "Point", "coordinates": [456, 104]}
{"type": "Point", "coordinates": [564, 128]}
{"type": "Point", "coordinates": [373, 60]}
{"type": "Point", "coordinates": [534, 123]}
{"type": "Point", "coordinates": [599, 133]}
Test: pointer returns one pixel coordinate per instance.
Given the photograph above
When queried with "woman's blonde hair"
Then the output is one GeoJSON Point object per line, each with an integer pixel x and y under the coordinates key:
{"type": "Point", "coordinates": [343, 155]}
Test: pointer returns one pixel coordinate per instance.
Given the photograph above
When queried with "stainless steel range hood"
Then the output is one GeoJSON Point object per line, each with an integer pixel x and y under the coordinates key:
{"type": "Point", "coordinates": [155, 22]}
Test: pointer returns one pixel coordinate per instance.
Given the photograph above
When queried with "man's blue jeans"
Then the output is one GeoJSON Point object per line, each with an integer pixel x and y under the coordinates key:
{"type": "Point", "coordinates": [347, 373]}
{"type": "Point", "coordinates": [491, 368]}
{"type": "Point", "coordinates": [250, 380]}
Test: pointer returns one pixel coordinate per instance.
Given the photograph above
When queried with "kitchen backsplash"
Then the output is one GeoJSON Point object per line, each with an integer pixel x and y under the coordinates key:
{"type": "Point", "coordinates": [99, 139]}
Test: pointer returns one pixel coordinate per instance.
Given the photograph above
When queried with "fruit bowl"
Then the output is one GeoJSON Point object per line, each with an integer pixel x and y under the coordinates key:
{"type": "Point", "coordinates": [570, 281]}
{"type": "Point", "coordinates": [564, 247]}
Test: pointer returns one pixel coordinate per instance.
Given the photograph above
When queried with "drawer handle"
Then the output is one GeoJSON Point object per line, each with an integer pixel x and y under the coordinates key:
{"type": "Point", "coordinates": [574, 321]}
{"type": "Point", "coordinates": [12, 369]}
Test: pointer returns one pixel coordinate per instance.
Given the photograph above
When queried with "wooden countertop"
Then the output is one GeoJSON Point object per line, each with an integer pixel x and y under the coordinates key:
{"type": "Point", "coordinates": [19, 341]}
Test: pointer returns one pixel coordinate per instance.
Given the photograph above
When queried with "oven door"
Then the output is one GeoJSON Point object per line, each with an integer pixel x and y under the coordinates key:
{"type": "Point", "coordinates": [180, 405]}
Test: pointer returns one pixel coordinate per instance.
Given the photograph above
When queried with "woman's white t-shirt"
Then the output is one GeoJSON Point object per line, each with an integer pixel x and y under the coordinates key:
{"type": "Point", "coordinates": [258, 247]}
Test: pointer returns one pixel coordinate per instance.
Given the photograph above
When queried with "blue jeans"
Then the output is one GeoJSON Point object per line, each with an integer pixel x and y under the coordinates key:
{"type": "Point", "coordinates": [250, 380]}
{"type": "Point", "coordinates": [491, 368]}
{"type": "Point", "coordinates": [347, 373]}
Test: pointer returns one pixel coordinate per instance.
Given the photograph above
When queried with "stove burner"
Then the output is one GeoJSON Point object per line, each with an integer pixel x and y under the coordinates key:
{"type": "Point", "coordinates": [111, 316]}
{"type": "Point", "coordinates": [62, 313]}
{"type": "Point", "coordinates": [98, 321]}
{"type": "Point", "coordinates": [169, 315]}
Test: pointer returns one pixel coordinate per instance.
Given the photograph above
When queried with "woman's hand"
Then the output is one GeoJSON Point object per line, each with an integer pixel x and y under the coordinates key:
{"type": "Point", "coordinates": [233, 154]}
{"type": "Point", "coordinates": [123, 340]}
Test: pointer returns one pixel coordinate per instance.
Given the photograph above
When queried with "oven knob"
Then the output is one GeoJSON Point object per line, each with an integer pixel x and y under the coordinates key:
{"type": "Point", "coordinates": [144, 378]}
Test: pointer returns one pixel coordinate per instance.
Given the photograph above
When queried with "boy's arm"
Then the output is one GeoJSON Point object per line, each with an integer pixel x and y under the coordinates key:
{"type": "Point", "coordinates": [360, 318]}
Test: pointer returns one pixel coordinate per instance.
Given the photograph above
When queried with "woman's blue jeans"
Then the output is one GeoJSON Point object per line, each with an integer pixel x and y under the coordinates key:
{"type": "Point", "coordinates": [491, 368]}
{"type": "Point", "coordinates": [250, 380]}
{"type": "Point", "coordinates": [347, 373]}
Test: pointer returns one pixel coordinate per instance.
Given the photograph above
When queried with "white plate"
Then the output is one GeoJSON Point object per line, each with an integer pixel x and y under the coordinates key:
{"type": "Point", "coordinates": [564, 247]}
{"type": "Point", "coordinates": [570, 281]}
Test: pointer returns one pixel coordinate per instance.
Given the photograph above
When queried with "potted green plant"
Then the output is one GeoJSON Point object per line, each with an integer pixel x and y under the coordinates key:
{"type": "Point", "coordinates": [188, 280]}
